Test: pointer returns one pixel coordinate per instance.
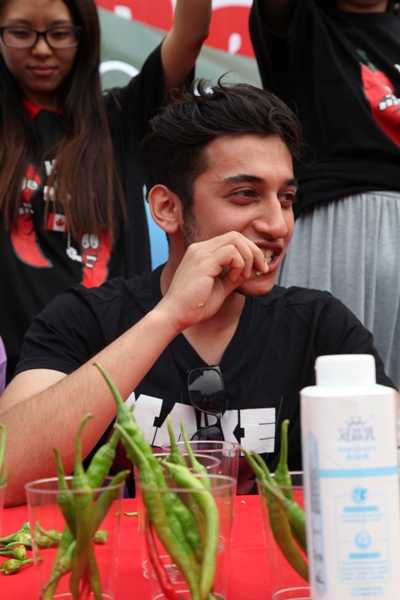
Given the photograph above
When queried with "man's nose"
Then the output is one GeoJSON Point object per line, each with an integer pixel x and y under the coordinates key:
{"type": "Point", "coordinates": [273, 220]}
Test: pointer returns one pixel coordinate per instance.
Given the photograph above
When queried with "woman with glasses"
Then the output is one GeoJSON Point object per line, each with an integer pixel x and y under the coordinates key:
{"type": "Point", "coordinates": [71, 196]}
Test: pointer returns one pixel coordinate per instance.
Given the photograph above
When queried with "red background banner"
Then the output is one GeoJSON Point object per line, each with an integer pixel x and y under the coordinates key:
{"type": "Point", "coordinates": [229, 25]}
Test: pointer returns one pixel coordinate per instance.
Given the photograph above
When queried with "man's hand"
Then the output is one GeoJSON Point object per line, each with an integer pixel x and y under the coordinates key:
{"type": "Point", "coordinates": [208, 273]}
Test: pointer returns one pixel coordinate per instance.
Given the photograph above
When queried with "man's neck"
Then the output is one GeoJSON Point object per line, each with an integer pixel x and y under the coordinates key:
{"type": "Point", "coordinates": [210, 338]}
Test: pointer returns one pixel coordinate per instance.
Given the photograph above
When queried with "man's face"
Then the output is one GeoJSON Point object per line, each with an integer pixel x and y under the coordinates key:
{"type": "Point", "coordinates": [248, 187]}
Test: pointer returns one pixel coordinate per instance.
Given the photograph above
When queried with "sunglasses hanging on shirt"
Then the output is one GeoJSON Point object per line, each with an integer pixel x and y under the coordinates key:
{"type": "Point", "coordinates": [207, 393]}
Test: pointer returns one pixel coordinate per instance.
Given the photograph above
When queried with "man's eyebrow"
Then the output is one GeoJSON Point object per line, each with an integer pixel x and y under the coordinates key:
{"type": "Point", "coordinates": [292, 181]}
{"type": "Point", "coordinates": [243, 178]}
{"type": "Point", "coordinates": [247, 178]}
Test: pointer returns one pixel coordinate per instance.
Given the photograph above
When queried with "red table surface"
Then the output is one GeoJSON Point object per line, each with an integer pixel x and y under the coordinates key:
{"type": "Point", "coordinates": [248, 571]}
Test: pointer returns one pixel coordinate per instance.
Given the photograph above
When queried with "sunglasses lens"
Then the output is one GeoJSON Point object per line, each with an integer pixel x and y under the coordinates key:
{"type": "Point", "coordinates": [206, 390]}
{"type": "Point", "coordinates": [209, 433]}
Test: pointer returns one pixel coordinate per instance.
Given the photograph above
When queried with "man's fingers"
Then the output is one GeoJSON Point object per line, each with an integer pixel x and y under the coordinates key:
{"type": "Point", "coordinates": [235, 252]}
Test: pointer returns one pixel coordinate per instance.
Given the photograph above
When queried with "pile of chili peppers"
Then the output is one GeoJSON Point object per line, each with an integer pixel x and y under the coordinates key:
{"type": "Point", "coordinates": [189, 532]}
{"type": "Point", "coordinates": [286, 517]}
{"type": "Point", "coordinates": [12, 545]}
{"type": "Point", "coordinates": [15, 546]}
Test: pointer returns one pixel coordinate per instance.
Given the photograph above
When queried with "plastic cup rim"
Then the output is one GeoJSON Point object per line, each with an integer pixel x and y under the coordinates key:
{"type": "Point", "coordinates": [34, 486]}
{"type": "Point", "coordinates": [284, 487]}
{"type": "Point", "coordinates": [195, 454]}
{"type": "Point", "coordinates": [230, 483]}
{"type": "Point", "coordinates": [220, 445]}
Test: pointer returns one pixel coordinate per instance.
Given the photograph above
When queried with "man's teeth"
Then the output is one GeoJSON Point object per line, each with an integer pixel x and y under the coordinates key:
{"type": "Point", "coordinates": [268, 255]}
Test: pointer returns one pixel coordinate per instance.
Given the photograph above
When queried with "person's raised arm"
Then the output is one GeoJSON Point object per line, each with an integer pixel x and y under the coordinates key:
{"type": "Point", "coordinates": [42, 409]}
{"type": "Point", "coordinates": [277, 13]}
{"type": "Point", "coordinates": [183, 42]}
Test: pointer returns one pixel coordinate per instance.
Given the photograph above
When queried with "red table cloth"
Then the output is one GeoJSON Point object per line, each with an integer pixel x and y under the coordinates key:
{"type": "Point", "coordinates": [248, 566]}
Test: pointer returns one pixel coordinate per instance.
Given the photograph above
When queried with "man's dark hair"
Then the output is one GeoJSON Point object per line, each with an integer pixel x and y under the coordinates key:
{"type": "Point", "coordinates": [173, 150]}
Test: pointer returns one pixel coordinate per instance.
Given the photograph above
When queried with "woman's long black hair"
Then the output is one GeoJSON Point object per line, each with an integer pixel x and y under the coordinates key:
{"type": "Point", "coordinates": [84, 179]}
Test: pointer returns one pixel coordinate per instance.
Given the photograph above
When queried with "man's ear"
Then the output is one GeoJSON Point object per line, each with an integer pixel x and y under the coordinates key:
{"type": "Point", "coordinates": [166, 208]}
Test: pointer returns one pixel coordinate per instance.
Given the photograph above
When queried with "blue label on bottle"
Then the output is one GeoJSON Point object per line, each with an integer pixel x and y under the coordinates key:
{"type": "Point", "coordinates": [317, 531]}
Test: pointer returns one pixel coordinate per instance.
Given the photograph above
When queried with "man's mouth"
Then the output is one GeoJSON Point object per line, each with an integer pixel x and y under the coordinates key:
{"type": "Point", "coordinates": [268, 253]}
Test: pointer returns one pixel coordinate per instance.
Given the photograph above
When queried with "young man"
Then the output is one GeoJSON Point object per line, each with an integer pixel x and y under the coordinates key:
{"type": "Point", "coordinates": [219, 169]}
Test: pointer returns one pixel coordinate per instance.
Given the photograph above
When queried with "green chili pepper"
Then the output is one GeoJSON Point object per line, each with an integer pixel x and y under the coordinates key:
{"type": "Point", "coordinates": [63, 559]}
{"type": "Point", "coordinates": [61, 565]}
{"type": "Point", "coordinates": [283, 535]}
{"type": "Point", "coordinates": [159, 505]}
{"type": "Point", "coordinates": [65, 501]}
{"type": "Point", "coordinates": [20, 538]}
{"type": "Point", "coordinates": [9, 567]}
{"type": "Point", "coordinates": [197, 467]}
{"type": "Point", "coordinates": [18, 552]}
{"type": "Point", "coordinates": [278, 519]}
{"type": "Point", "coordinates": [105, 500]}
{"type": "Point", "coordinates": [26, 544]}
{"type": "Point", "coordinates": [101, 536]}
{"type": "Point", "coordinates": [3, 474]}
{"type": "Point", "coordinates": [165, 523]}
{"type": "Point", "coordinates": [102, 461]}
{"type": "Point", "coordinates": [282, 473]}
{"type": "Point", "coordinates": [48, 538]}
{"type": "Point", "coordinates": [77, 555]}
{"type": "Point", "coordinates": [295, 514]}
{"type": "Point", "coordinates": [175, 456]}
{"type": "Point", "coordinates": [94, 575]}
{"type": "Point", "coordinates": [25, 528]}
{"type": "Point", "coordinates": [206, 503]}
{"type": "Point", "coordinates": [126, 420]}
{"type": "Point", "coordinates": [83, 502]}
{"type": "Point", "coordinates": [189, 525]}
{"type": "Point", "coordinates": [42, 541]}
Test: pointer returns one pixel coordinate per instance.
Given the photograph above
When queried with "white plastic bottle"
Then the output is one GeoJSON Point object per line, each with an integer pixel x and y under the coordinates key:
{"type": "Point", "coordinates": [351, 481]}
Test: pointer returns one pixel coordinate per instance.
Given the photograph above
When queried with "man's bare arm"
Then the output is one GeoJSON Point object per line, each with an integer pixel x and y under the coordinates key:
{"type": "Point", "coordinates": [183, 42]}
{"type": "Point", "coordinates": [42, 409]}
{"type": "Point", "coordinates": [38, 419]}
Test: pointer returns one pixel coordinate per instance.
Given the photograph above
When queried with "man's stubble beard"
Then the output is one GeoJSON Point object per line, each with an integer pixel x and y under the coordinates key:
{"type": "Point", "coordinates": [190, 230]}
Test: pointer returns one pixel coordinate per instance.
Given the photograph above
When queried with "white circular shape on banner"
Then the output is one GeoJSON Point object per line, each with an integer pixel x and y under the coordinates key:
{"type": "Point", "coordinates": [118, 65]}
{"type": "Point", "coordinates": [123, 11]}
{"type": "Point", "coordinates": [223, 3]}
{"type": "Point", "coordinates": [234, 43]}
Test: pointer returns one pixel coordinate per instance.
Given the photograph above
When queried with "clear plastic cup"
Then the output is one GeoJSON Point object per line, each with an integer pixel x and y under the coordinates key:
{"type": "Point", "coordinates": [44, 499]}
{"type": "Point", "coordinates": [168, 570]}
{"type": "Point", "coordinates": [211, 463]}
{"type": "Point", "coordinates": [228, 453]}
{"type": "Point", "coordinates": [285, 581]}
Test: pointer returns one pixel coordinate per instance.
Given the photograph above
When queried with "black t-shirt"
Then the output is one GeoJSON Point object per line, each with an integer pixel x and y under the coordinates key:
{"type": "Point", "coordinates": [269, 360]}
{"type": "Point", "coordinates": [37, 263]}
{"type": "Point", "coordinates": [340, 73]}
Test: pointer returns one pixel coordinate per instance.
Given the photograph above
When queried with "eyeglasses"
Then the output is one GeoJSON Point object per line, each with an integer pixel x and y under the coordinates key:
{"type": "Point", "coordinates": [59, 38]}
{"type": "Point", "coordinates": [207, 393]}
